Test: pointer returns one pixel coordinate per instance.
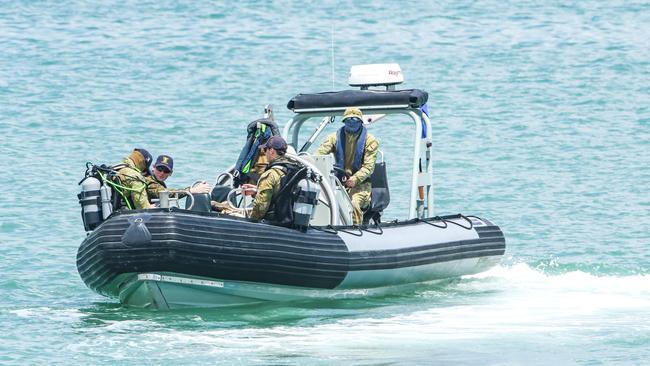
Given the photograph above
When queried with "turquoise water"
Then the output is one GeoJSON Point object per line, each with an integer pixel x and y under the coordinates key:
{"type": "Point", "coordinates": [541, 113]}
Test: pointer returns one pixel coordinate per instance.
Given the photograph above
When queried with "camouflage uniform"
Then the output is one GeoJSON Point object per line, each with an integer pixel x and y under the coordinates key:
{"type": "Point", "coordinates": [360, 193]}
{"type": "Point", "coordinates": [132, 178]}
{"type": "Point", "coordinates": [259, 167]}
{"type": "Point", "coordinates": [267, 186]}
{"type": "Point", "coordinates": [154, 187]}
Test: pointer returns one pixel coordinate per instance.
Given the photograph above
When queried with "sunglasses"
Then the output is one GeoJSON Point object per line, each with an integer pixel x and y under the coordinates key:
{"type": "Point", "coordinates": [353, 120]}
{"type": "Point", "coordinates": [162, 169]}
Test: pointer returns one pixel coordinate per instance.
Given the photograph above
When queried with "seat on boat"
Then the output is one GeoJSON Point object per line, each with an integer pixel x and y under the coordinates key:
{"type": "Point", "coordinates": [379, 196]}
{"type": "Point", "coordinates": [220, 192]}
{"type": "Point", "coordinates": [199, 203]}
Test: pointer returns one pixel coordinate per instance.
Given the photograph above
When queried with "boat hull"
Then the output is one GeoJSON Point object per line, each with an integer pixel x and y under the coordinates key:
{"type": "Point", "coordinates": [166, 259]}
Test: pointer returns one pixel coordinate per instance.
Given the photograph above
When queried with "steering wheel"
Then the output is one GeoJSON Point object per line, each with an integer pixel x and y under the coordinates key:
{"type": "Point", "coordinates": [242, 196]}
{"type": "Point", "coordinates": [225, 179]}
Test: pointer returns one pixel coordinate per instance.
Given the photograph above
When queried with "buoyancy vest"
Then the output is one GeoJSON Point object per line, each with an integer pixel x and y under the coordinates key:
{"type": "Point", "coordinates": [120, 198]}
{"type": "Point", "coordinates": [258, 132]}
{"type": "Point", "coordinates": [358, 153]}
{"type": "Point", "coordinates": [281, 207]}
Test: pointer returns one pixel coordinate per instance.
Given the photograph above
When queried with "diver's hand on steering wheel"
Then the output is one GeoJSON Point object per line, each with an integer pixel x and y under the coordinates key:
{"type": "Point", "coordinates": [248, 189]}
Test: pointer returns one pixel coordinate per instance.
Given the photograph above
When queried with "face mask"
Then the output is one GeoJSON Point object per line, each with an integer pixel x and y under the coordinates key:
{"type": "Point", "coordinates": [352, 125]}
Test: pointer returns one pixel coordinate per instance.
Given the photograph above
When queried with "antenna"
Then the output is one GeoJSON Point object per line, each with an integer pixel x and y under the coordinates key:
{"type": "Point", "coordinates": [332, 55]}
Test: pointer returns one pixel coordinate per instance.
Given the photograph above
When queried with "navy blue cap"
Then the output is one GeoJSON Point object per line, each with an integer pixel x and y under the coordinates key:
{"type": "Point", "coordinates": [277, 143]}
{"type": "Point", "coordinates": [166, 161]}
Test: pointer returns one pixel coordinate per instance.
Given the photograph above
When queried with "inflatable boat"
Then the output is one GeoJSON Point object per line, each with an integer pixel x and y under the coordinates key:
{"type": "Point", "coordinates": [173, 257]}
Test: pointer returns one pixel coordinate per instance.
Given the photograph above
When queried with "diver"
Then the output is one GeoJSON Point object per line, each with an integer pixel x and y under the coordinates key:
{"type": "Point", "coordinates": [273, 201]}
{"type": "Point", "coordinates": [163, 169]}
{"type": "Point", "coordinates": [355, 151]}
{"type": "Point", "coordinates": [130, 173]}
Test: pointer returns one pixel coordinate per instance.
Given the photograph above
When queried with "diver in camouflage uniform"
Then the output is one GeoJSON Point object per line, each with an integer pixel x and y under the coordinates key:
{"type": "Point", "coordinates": [160, 171]}
{"type": "Point", "coordinates": [357, 156]}
{"type": "Point", "coordinates": [163, 169]}
{"type": "Point", "coordinates": [271, 181]}
{"type": "Point", "coordinates": [130, 172]}
{"type": "Point", "coordinates": [154, 186]}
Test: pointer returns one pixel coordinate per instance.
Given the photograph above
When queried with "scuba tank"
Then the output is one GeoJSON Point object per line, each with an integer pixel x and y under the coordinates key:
{"type": "Point", "coordinates": [96, 197]}
{"type": "Point", "coordinates": [107, 205]}
{"type": "Point", "coordinates": [90, 200]}
{"type": "Point", "coordinates": [305, 199]}
{"type": "Point", "coordinates": [293, 205]}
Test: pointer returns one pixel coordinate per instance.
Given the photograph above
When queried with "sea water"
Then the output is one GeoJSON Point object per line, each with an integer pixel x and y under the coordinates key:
{"type": "Point", "coordinates": [541, 123]}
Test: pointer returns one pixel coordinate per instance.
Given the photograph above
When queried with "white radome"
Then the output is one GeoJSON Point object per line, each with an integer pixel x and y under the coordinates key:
{"type": "Point", "coordinates": [365, 76]}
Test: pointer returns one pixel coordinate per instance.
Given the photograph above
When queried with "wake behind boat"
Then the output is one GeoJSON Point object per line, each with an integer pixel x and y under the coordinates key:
{"type": "Point", "coordinates": [169, 257]}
